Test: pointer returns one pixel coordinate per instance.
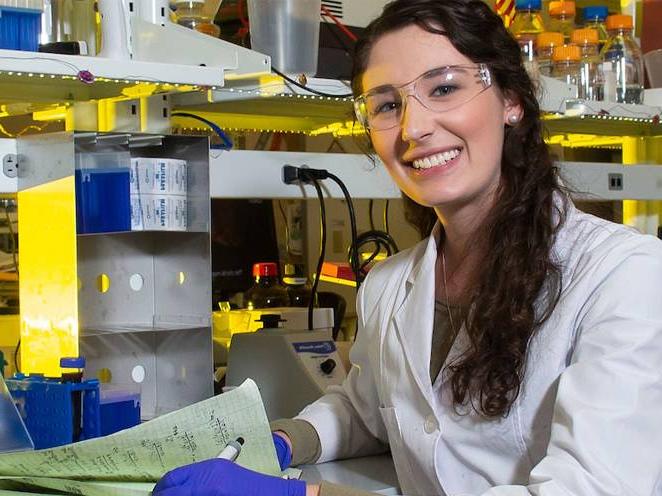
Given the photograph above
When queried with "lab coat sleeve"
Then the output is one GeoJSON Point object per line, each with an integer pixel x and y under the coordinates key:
{"type": "Point", "coordinates": [606, 434]}
{"type": "Point", "coordinates": [347, 417]}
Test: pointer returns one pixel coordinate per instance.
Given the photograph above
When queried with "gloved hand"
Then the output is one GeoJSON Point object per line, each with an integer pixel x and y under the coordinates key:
{"type": "Point", "coordinates": [218, 477]}
{"type": "Point", "coordinates": [283, 451]}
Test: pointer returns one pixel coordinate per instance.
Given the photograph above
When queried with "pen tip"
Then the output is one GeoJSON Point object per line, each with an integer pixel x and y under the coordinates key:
{"type": "Point", "coordinates": [240, 440]}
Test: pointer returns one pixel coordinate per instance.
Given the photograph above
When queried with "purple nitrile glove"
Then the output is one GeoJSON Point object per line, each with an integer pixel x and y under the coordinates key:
{"type": "Point", "coordinates": [283, 451]}
{"type": "Point", "coordinates": [219, 477]}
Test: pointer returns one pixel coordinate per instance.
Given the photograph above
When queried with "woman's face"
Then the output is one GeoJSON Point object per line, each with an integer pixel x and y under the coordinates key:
{"type": "Point", "coordinates": [463, 145]}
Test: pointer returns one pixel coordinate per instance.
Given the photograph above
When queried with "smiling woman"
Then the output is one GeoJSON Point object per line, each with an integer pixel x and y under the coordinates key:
{"type": "Point", "coordinates": [515, 351]}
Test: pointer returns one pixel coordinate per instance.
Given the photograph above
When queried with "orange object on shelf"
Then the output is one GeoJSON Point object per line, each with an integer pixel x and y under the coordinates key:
{"type": "Point", "coordinates": [339, 270]}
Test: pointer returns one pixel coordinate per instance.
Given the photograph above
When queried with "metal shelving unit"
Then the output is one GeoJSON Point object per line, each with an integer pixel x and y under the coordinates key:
{"type": "Point", "coordinates": [137, 303]}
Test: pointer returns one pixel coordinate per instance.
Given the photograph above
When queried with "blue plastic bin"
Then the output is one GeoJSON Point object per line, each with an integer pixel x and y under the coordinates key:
{"type": "Point", "coordinates": [19, 29]}
{"type": "Point", "coordinates": [102, 200]}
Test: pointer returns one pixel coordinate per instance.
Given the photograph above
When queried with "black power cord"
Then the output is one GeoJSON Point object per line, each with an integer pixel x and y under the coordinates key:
{"type": "Point", "coordinates": [322, 254]}
{"type": "Point", "coordinates": [307, 88]}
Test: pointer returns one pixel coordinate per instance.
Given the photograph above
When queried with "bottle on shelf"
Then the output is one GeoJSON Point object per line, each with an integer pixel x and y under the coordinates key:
{"type": "Point", "coordinates": [622, 61]}
{"type": "Point", "coordinates": [562, 18]}
{"type": "Point", "coordinates": [267, 291]}
{"type": "Point", "coordinates": [298, 286]}
{"type": "Point", "coordinates": [193, 14]}
{"type": "Point", "coordinates": [594, 18]}
{"type": "Point", "coordinates": [546, 42]}
{"type": "Point", "coordinates": [591, 84]}
{"type": "Point", "coordinates": [527, 26]}
{"type": "Point", "coordinates": [566, 66]}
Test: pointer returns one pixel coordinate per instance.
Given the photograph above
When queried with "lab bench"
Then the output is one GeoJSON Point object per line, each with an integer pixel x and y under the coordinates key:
{"type": "Point", "coordinates": [370, 473]}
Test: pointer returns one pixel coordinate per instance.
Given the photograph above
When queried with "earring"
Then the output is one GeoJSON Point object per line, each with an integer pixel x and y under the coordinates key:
{"type": "Point", "coordinates": [513, 119]}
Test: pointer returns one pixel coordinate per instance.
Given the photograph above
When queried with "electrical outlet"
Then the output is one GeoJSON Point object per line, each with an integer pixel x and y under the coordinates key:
{"type": "Point", "coordinates": [615, 182]}
{"type": "Point", "coordinates": [10, 165]}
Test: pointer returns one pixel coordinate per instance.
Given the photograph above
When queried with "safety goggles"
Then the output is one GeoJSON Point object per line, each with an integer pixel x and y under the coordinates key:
{"type": "Point", "coordinates": [439, 90]}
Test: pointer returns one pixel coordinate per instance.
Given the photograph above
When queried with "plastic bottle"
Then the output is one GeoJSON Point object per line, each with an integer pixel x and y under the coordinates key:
{"type": "Point", "coordinates": [527, 26]}
{"type": "Point", "coordinates": [298, 287]}
{"type": "Point", "coordinates": [622, 53]}
{"type": "Point", "coordinates": [191, 14]}
{"type": "Point", "coordinates": [562, 18]}
{"type": "Point", "coordinates": [591, 84]}
{"type": "Point", "coordinates": [566, 66]}
{"type": "Point", "coordinates": [594, 18]}
{"type": "Point", "coordinates": [267, 291]}
{"type": "Point", "coordinates": [546, 42]}
{"type": "Point", "coordinates": [73, 368]}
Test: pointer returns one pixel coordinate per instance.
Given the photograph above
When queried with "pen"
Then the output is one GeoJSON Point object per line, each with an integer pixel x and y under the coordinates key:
{"type": "Point", "coordinates": [232, 450]}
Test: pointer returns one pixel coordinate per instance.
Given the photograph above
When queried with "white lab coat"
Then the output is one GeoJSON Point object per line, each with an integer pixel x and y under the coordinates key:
{"type": "Point", "coordinates": [588, 420]}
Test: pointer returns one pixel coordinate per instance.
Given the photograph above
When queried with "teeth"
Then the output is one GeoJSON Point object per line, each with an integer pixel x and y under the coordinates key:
{"type": "Point", "coordinates": [435, 160]}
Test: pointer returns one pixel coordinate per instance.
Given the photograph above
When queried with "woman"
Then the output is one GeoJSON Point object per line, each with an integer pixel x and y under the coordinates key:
{"type": "Point", "coordinates": [517, 349]}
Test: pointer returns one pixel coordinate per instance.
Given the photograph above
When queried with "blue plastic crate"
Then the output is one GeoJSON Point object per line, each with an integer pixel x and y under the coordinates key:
{"type": "Point", "coordinates": [119, 410]}
{"type": "Point", "coordinates": [19, 29]}
{"type": "Point", "coordinates": [46, 407]}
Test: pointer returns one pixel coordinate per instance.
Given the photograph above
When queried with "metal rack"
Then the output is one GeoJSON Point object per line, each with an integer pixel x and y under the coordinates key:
{"type": "Point", "coordinates": [137, 303]}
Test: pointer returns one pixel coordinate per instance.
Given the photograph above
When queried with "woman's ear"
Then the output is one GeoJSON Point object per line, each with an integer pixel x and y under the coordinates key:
{"type": "Point", "coordinates": [512, 111]}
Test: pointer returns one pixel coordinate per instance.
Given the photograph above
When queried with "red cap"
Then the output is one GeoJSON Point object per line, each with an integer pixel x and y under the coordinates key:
{"type": "Point", "coordinates": [265, 269]}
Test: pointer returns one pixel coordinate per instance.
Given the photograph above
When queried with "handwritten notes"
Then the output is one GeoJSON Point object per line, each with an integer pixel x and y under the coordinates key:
{"type": "Point", "coordinates": [141, 455]}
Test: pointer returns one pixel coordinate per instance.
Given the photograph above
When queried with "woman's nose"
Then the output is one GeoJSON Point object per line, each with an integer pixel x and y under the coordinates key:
{"type": "Point", "coordinates": [417, 121]}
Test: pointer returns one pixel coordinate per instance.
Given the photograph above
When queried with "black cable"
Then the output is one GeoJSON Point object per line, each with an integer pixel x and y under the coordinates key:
{"type": "Point", "coordinates": [353, 254]}
{"type": "Point", "coordinates": [304, 87]}
{"type": "Point", "coordinates": [372, 221]}
{"type": "Point", "coordinates": [386, 218]}
{"type": "Point", "coordinates": [320, 260]}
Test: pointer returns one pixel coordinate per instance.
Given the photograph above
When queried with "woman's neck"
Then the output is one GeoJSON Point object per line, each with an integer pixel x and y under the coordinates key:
{"type": "Point", "coordinates": [462, 250]}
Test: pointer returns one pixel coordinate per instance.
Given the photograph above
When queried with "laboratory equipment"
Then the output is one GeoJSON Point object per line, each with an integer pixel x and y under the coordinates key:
{"type": "Point", "coordinates": [291, 368]}
{"type": "Point", "coordinates": [198, 15]}
{"type": "Point", "coordinates": [14, 435]}
{"type": "Point", "coordinates": [546, 42]}
{"type": "Point", "coordinates": [288, 30]}
{"type": "Point", "coordinates": [653, 61]}
{"type": "Point", "coordinates": [67, 23]}
{"type": "Point", "coordinates": [267, 291]}
{"type": "Point", "coordinates": [527, 26]}
{"type": "Point", "coordinates": [623, 55]}
{"type": "Point", "coordinates": [566, 66]}
{"type": "Point", "coordinates": [562, 17]}
{"type": "Point", "coordinates": [590, 83]}
{"type": "Point", "coordinates": [594, 18]}
{"type": "Point", "coordinates": [298, 287]}
{"type": "Point", "coordinates": [47, 407]}
{"type": "Point", "coordinates": [226, 323]}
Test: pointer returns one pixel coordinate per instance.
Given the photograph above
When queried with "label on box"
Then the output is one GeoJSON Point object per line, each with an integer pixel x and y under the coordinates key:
{"type": "Point", "coordinates": [158, 213]}
{"type": "Point", "coordinates": [166, 176]}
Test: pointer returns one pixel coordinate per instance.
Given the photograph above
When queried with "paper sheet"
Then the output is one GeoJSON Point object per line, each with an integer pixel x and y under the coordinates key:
{"type": "Point", "coordinates": [145, 452]}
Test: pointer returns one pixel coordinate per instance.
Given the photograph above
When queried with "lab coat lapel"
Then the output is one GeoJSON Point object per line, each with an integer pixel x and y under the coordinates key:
{"type": "Point", "coordinates": [414, 318]}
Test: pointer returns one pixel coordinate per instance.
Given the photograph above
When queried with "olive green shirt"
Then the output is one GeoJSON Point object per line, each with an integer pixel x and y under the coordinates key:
{"type": "Point", "coordinates": [306, 446]}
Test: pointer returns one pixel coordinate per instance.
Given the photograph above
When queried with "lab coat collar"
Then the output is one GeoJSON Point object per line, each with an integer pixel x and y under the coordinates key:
{"type": "Point", "coordinates": [414, 318]}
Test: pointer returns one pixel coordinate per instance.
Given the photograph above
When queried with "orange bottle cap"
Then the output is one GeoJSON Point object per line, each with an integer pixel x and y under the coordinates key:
{"type": "Point", "coordinates": [562, 7]}
{"type": "Point", "coordinates": [585, 36]}
{"type": "Point", "coordinates": [619, 21]}
{"type": "Point", "coordinates": [549, 39]}
{"type": "Point", "coordinates": [567, 53]}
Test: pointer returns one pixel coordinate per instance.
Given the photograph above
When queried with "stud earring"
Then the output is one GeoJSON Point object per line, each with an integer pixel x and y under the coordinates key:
{"type": "Point", "coordinates": [513, 119]}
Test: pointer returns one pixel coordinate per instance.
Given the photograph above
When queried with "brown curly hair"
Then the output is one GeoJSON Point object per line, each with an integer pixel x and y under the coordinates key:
{"type": "Point", "coordinates": [507, 304]}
